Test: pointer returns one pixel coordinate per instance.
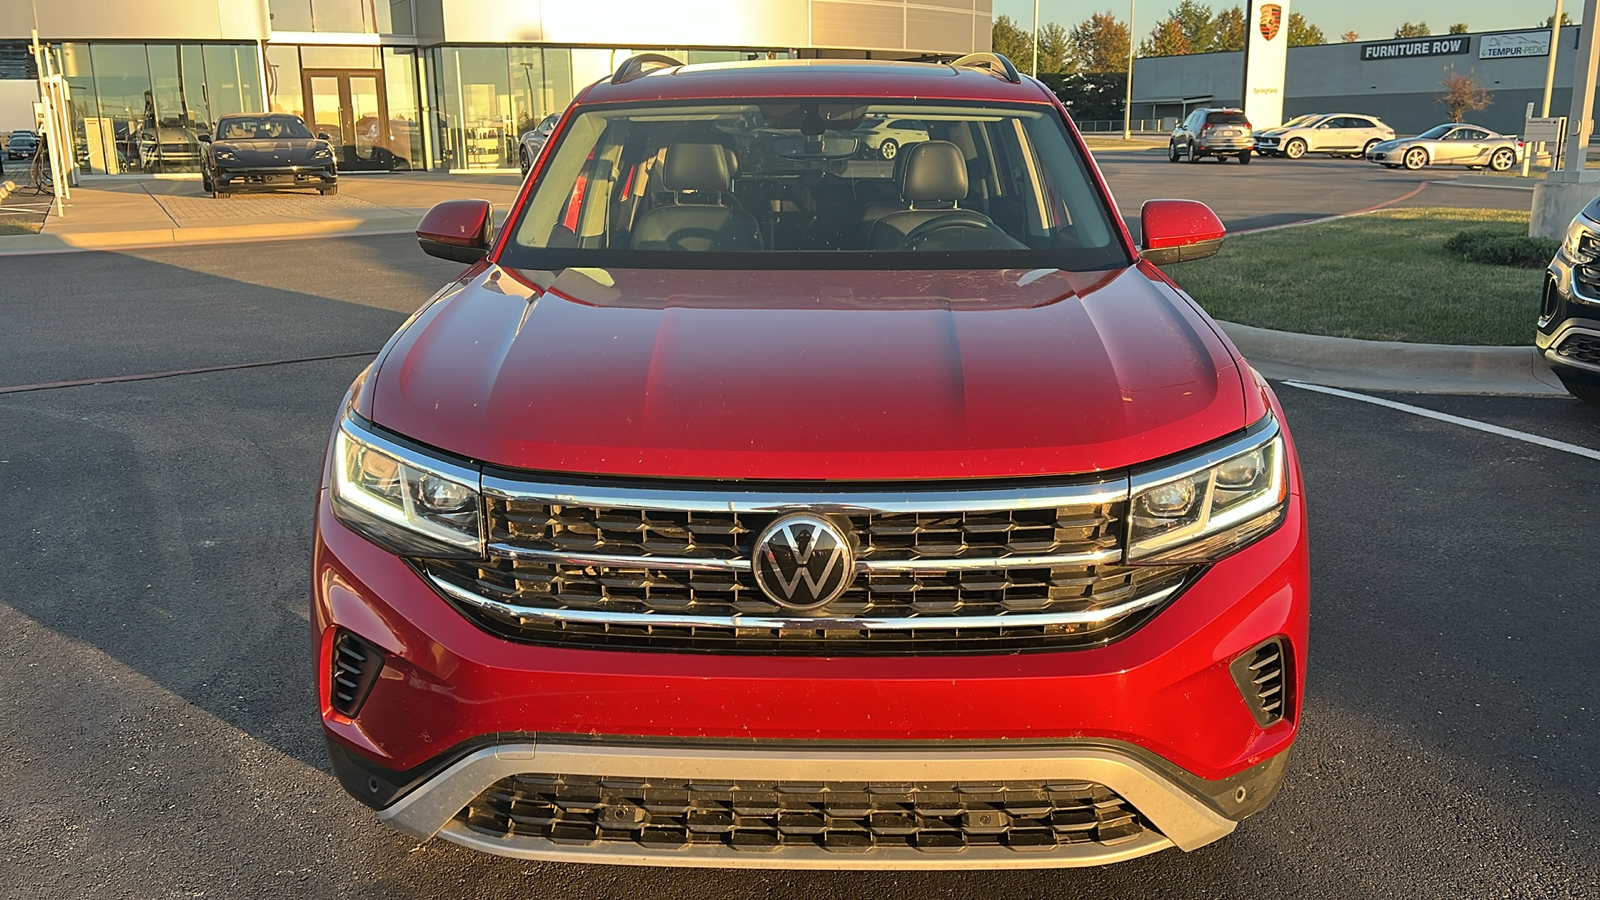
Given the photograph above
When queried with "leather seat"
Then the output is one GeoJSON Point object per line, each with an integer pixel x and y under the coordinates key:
{"type": "Point", "coordinates": [702, 213]}
{"type": "Point", "coordinates": [933, 183]}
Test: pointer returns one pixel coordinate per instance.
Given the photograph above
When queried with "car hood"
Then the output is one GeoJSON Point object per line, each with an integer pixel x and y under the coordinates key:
{"type": "Point", "coordinates": [269, 152]}
{"type": "Point", "coordinates": [809, 375]}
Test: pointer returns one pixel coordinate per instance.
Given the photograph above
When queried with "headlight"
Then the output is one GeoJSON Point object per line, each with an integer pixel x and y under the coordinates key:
{"type": "Point", "coordinates": [1209, 507]}
{"type": "Point", "coordinates": [1579, 244]}
{"type": "Point", "coordinates": [414, 505]}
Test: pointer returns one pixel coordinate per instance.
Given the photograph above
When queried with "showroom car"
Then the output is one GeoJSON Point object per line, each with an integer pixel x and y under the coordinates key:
{"type": "Point", "coordinates": [532, 141]}
{"type": "Point", "coordinates": [1568, 330]}
{"type": "Point", "coordinates": [1217, 133]}
{"type": "Point", "coordinates": [1450, 145]}
{"type": "Point", "coordinates": [266, 152]}
{"type": "Point", "coordinates": [746, 502]}
{"type": "Point", "coordinates": [1338, 134]}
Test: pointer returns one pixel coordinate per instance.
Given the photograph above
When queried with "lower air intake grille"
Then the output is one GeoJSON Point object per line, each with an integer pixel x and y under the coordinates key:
{"type": "Point", "coordinates": [356, 665]}
{"type": "Point", "coordinates": [1262, 676]}
{"type": "Point", "coordinates": [1579, 347]}
{"type": "Point", "coordinates": [771, 816]}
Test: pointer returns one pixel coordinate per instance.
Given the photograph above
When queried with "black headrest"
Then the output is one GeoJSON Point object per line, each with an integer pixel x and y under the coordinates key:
{"type": "Point", "coordinates": [935, 170]}
{"type": "Point", "coordinates": [698, 166]}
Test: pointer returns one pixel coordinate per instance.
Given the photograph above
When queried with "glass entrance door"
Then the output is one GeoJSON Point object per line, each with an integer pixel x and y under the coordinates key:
{"type": "Point", "coordinates": [348, 105]}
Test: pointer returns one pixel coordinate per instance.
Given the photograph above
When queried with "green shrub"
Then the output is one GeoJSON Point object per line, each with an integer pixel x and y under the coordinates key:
{"type": "Point", "coordinates": [1502, 248]}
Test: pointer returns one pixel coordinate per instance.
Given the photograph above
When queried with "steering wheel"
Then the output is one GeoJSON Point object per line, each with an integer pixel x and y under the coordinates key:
{"type": "Point", "coordinates": [960, 218]}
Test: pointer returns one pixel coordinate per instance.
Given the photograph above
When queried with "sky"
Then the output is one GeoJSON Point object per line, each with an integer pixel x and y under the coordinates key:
{"type": "Point", "coordinates": [1372, 19]}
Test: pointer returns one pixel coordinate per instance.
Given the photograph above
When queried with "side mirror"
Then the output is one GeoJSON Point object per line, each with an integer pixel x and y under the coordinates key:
{"type": "Point", "coordinates": [1179, 230]}
{"type": "Point", "coordinates": [457, 230]}
{"type": "Point", "coordinates": [203, 138]}
{"type": "Point", "coordinates": [323, 136]}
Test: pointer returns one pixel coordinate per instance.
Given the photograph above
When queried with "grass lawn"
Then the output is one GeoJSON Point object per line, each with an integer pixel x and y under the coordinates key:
{"type": "Point", "coordinates": [18, 226]}
{"type": "Point", "coordinates": [1383, 276]}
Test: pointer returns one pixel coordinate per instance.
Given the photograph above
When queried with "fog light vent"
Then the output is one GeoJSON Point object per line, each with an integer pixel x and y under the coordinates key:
{"type": "Point", "coordinates": [356, 665]}
{"type": "Point", "coordinates": [1262, 676]}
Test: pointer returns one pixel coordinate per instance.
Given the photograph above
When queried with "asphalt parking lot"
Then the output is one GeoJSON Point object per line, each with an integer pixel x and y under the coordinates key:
{"type": "Point", "coordinates": [157, 715]}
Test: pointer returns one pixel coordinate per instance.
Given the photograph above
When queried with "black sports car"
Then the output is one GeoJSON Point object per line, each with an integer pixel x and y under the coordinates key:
{"type": "Point", "coordinates": [266, 152]}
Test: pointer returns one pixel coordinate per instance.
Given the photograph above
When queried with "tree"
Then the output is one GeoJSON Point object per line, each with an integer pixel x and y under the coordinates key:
{"type": "Point", "coordinates": [1458, 28]}
{"type": "Point", "coordinates": [1166, 39]}
{"type": "Point", "coordinates": [1550, 20]}
{"type": "Point", "coordinates": [1100, 44]}
{"type": "Point", "coordinates": [1015, 44]}
{"type": "Point", "coordinates": [1463, 93]}
{"type": "Point", "coordinates": [1303, 33]}
{"type": "Point", "coordinates": [1350, 37]}
{"type": "Point", "coordinates": [1012, 42]}
{"type": "Point", "coordinates": [1413, 30]}
{"type": "Point", "coordinates": [1230, 30]}
{"type": "Point", "coordinates": [1199, 25]}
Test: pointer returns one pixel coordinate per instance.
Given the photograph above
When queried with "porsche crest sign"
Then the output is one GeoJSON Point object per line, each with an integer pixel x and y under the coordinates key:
{"type": "Point", "coordinates": [1271, 20]}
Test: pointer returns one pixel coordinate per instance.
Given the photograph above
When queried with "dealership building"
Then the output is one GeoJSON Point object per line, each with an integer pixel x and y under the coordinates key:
{"type": "Point", "coordinates": [1398, 81]}
{"type": "Point", "coordinates": [404, 84]}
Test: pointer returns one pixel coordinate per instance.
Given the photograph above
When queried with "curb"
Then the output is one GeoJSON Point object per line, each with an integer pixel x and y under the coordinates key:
{"type": "Point", "coordinates": [46, 242]}
{"type": "Point", "coordinates": [1394, 365]}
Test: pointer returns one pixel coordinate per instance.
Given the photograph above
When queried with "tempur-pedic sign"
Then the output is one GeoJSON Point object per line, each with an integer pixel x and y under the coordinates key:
{"type": "Point", "coordinates": [1519, 43]}
{"type": "Point", "coordinates": [1405, 49]}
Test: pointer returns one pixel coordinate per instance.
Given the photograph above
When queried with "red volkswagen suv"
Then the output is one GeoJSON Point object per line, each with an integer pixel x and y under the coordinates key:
{"type": "Point", "coordinates": [753, 500]}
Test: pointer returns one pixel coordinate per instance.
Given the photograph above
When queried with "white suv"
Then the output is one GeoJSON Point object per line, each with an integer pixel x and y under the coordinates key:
{"type": "Point", "coordinates": [1338, 134]}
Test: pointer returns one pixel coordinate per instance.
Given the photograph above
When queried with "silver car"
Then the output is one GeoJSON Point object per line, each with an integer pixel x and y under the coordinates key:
{"type": "Point", "coordinates": [1336, 134]}
{"type": "Point", "coordinates": [532, 141]}
{"type": "Point", "coordinates": [1450, 144]}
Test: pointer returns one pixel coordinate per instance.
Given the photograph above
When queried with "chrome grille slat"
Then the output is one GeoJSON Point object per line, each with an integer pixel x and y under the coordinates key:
{"type": "Point", "coordinates": [965, 571]}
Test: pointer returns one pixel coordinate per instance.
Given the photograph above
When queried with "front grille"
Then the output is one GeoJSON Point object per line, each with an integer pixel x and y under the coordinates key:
{"type": "Point", "coordinates": [1580, 347]}
{"type": "Point", "coordinates": [670, 814]}
{"type": "Point", "coordinates": [1262, 676]}
{"type": "Point", "coordinates": [356, 665]}
{"type": "Point", "coordinates": [991, 580]}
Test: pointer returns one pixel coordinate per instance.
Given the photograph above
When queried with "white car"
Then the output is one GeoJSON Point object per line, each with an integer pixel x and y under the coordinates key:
{"type": "Point", "coordinates": [1337, 134]}
{"type": "Point", "coordinates": [884, 137]}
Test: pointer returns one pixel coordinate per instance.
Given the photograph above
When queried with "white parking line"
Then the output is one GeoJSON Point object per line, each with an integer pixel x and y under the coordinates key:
{"type": "Point", "coordinates": [1523, 436]}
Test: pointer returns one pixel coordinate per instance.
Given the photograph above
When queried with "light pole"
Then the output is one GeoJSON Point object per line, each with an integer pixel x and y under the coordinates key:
{"type": "Point", "coordinates": [1549, 78]}
{"type": "Point", "coordinates": [1036, 38]}
{"type": "Point", "coordinates": [1127, 100]}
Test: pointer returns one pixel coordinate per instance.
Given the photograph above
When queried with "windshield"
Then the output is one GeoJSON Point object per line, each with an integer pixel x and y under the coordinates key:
{"type": "Point", "coordinates": [834, 183]}
{"type": "Point", "coordinates": [1436, 132]}
{"type": "Point", "coordinates": [261, 128]}
{"type": "Point", "coordinates": [1226, 118]}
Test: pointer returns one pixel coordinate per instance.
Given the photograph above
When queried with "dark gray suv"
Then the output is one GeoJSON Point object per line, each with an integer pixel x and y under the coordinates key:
{"type": "Point", "coordinates": [1212, 132]}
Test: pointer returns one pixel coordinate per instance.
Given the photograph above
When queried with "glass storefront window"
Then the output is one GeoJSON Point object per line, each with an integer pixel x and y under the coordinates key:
{"type": "Point", "coordinates": [122, 77]}
{"type": "Point", "coordinates": [167, 139]}
{"type": "Point", "coordinates": [283, 80]}
{"type": "Point", "coordinates": [393, 16]}
{"type": "Point", "coordinates": [290, 15]}
{"type": "Point", "coordinates": [339, 15]}
{"type": "Point", "coordinates": [91, 146]}
{"type": "Point", "coordinates": [233, 80]}
{"type": "Point", "coordinates": [477, 106]}
{"type": "Point", "coordinates": [405, 120]}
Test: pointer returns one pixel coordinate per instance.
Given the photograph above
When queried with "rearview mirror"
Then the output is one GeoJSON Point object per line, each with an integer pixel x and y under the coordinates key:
{"type": "Point", "coordinates": [457, 230]}
{"type": "Point", "coordinates": [1179, 230]}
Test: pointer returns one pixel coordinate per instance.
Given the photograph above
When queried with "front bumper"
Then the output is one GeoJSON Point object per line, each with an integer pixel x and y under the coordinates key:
{"type": "Point", "coordinates": [271, 178]}
{"type": "Point", "coordinates": [1178, 814]}
{"type": "Point", "coordinates": [1157, 717]}
{"type": "Point", "coordinates": [1569, 324]}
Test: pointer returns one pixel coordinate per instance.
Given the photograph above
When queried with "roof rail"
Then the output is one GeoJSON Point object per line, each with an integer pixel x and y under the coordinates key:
{"type": "Point", "coordinates": [994, 62]}
{"type": "Point", "coordinates": [635, 66]}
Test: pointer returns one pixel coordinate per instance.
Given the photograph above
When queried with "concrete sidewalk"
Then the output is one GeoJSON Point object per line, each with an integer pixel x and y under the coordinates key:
{"type": "Point", "coordinates": [121, 213]}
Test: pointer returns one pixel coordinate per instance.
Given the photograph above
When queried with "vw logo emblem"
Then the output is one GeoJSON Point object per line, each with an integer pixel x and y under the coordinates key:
{"type": "Point", "coordinates": [803, 562]}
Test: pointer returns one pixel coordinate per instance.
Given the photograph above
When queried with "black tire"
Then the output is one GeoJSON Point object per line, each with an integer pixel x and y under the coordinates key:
{"type": "Point", "coordinates": [1587, 391]}
{"type": "Point", "coordinates": [220, 195]}
{"type": "Point", "coordinates": [205, 181]}
{"type": "Point", "coordinates": [1295, 149]}
{"type": "Point", "coordinates": [1502, 160]}
{"type": "Point", "coordinates": [328, 191]}
{"type": "Point", "coordinates": [1172, 151]}
{"type": "Point", "coordinates": [522, 159]}
{"type": "Point", "coordinates": [1368, 148]}
{"type": "Point", "coordinates": [1193, 156]}
{"type": "Point", "coordinates": [889, 149]}
{"type": "Point", "coordinates": [1390, 166]}
{"type": "Point", "coordinates": [1244, 158]}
